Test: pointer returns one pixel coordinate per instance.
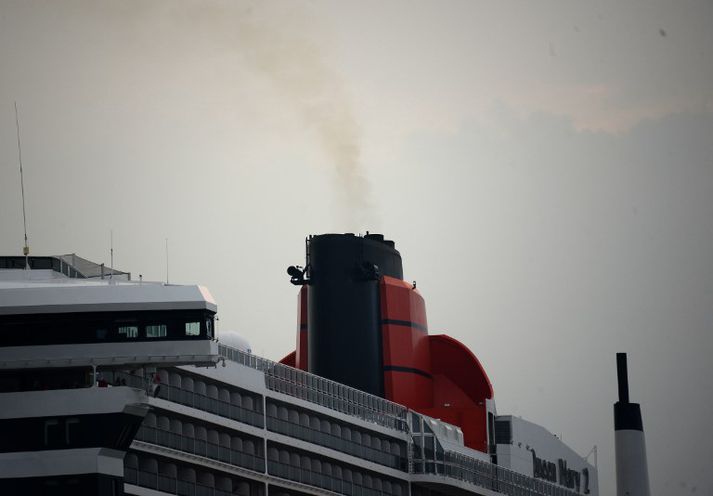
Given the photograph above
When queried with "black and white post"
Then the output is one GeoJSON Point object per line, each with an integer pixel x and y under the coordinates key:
{"type": "Point", "coordinates": [632, 473]}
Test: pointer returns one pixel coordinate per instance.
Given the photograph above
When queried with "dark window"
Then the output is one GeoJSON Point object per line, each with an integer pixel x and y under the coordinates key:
{"type": "Point", "coordinates": [63, 432]}
{"type": "Point", "coordinates": [503, 432]}
{"type": "Point", "coordinates": [92, 327]}
{"type": "Point", "coordinates": [209, 327]}
{"type": "Point", "coordinates": [156, 331]}
{"type": "Point", "coordinates": [491, 432]}
{"type": "Point", "coordinates": [193, 328]}
{"type": "Point", "coordinates": [44, 379]}
{"type": "Point", "coordinates": [128, 332]}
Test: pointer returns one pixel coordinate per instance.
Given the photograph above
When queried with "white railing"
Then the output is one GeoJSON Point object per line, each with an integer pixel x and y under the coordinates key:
{"type": "Point", "coordinates": [198, 401]}
{"type": "Point", "coordinates": [489, 476]}
{"type": "Point", "coordinates": [336, 443]}
{"type": "Point", "coordinates": [330, 394]}
{"type": "Point", "coordinates": [169, 484]}
{"type": "Point", "coordinates": [200, 447]}
{"type": "Point", "coordinates": [321, 391]}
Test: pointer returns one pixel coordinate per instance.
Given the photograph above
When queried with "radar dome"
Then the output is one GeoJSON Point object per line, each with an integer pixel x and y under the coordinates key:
{"type": "Point", "coordinates": [235, 340]}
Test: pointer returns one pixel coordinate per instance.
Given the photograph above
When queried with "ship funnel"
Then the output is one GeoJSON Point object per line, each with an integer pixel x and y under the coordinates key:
{"type": "Point", "coordinates": [632, 474]}
{"type": "Point", "coordinates": [344, 316]}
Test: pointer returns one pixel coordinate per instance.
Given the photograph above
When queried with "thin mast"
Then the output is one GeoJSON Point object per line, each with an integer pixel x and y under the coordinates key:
{"type": "Point", "coordinates": [166, 260]}
{"type": "Point", "coordinates": [111, 252]}
{"type": "Point", "coordinates": [26, 248]}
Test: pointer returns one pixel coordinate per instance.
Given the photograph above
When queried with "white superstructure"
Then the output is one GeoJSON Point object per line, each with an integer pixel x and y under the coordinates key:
{"type": "Point", "coordinates": [215, 419]}
{"type": "Point", "coordinates": [67, 326]}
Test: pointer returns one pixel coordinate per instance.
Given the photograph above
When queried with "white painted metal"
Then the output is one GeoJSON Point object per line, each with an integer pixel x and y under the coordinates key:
{"type": "Point", "coordinates": [93, 400]}
{"type": "Point", "coordinates": [61, 462]}
{"type": "Point", "coordinates": [235, 340]}
{"type": "Point", "coordinates": [526, 437]}
{"type": "Point", "coordinates": [59, 295]}
{"type": "Point", "coordinates": [632, 475]}
{"type": "Point", "coordinates": [46, 292]}
{"type": "Point", "coordinates": [131, 354]}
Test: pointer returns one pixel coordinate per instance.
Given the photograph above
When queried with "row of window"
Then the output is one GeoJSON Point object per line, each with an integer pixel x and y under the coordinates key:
{"type": "Point", "coordinates": [215, 397]}
{"type": "Point", "coordinates": [236, 449]}
{"type": "Point", "coordinates": [173, 477]}
{"type": "Point", "coordinates": [100, 327]}
{"type": "Point", "coordinates": [45, 379]}
{"type": "Point", "coordinates": [134, 331]}
{"type": "Point", "coordinates": [107, 430]}
{"type": "Point", "coordinates": [327, 431]}
{"type": "Point", "coordinates": [308, 468]}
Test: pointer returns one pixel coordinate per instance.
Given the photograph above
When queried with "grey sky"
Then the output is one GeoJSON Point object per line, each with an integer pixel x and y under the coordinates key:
{"type": "Point", "coordinates": [546, 171]}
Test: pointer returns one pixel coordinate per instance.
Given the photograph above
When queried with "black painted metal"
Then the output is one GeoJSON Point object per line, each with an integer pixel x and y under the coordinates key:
{"type": "Point", "coordinates": [344, 317]}
{"type": "Point", "coordinates": [105, 430]}
{"type": "Point", "coordinates": [627, 416]}
{"type": "Point", "coordinates": [405, 323]}
{"type": "Point", "coordinates": [409, 370]}
{"type": "Point", "coordinates": [622, 377]}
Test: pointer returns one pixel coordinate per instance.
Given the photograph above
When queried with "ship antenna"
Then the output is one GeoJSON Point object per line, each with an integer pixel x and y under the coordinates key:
{"type": "Point", "coordinates": [26, 248]}
{"type": "Point", "coordinates": [111, 253]}
{"type": "Point", "coordinates": [166, 260]}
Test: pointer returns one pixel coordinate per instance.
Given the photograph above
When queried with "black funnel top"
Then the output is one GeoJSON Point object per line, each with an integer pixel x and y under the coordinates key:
{"type": "Point", "coordinates": [326, 252]}
{"type": "Point", "coordinates": [344, 323]}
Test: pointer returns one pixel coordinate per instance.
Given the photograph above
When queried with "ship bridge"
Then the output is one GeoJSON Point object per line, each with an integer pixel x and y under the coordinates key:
{"type": "Point", "coordinates": [66, 311]}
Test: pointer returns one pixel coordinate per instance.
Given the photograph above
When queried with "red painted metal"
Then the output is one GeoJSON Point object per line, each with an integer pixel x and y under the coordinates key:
{"type": "Point", "coordinates": [434, 375]}
{"type": "Point", "coordinates": [301, 353]}
{"type": "Point", "coordinates": [406, 357]}
{"type": "Point", "coordinates": [289, 360]}
{"type": "Point", "coordinates": [461, 387]}
{"type": "Point", "coordinates": [453, 359]}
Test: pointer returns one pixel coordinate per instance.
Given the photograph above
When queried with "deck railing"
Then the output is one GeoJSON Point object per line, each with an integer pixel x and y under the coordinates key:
{"type": "Point", "coordinates": [169, 484]}
{"type": "Point", "coordinates": [315, 389]}
{"type": "Point", "coordinates": [200, 447]}
{"type": "Point", "coordinates": [321, 391]}
{"type": "Point", "coordinates": [490, 476]}
{"type": "Point", "coordinates": [336, 443]}
{"type": "Point", "coordinates": [325, 481]}
{"type": "Point", "coordinates": [199, 401]}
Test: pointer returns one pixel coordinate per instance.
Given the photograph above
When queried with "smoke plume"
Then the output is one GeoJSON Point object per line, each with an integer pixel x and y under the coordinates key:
{"type": "Point", "coordinates": [275, 45]}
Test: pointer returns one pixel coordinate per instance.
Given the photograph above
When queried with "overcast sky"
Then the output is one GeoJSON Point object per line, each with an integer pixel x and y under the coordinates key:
{"type": "Point", "coordinates": [545, 168]}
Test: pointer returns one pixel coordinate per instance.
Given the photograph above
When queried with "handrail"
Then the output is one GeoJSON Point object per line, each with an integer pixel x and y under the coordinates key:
{"type": "Point", "coordinates": [300, 384]}
{"type": "Point", "coordinates": [200, 447]}
{"type": "Point", "coordinates": [169, 484]}
{"type": "Point", "coordinates": [325, 481]}
{"type": "Point", "coordinates": [71, 265]}
{"type": "Point", "coordinates": [324, 392]}
{"type": "Point", "coordinates": [336, 443]}
{"type": "Point", "coordinates": [490, 476]}
{"type": "Point", "coordinates": [199, 401]}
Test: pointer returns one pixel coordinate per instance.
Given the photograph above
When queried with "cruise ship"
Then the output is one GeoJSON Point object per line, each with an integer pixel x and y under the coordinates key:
{"type": "Point", "coordinates": [111, 385]}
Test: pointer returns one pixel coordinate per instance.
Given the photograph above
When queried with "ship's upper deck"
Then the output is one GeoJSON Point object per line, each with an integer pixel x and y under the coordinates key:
{"type": "Point", "coordinates": [70, 265]}
{"type": "Point", "coordinates": [65, 309]}
{"type": "Point", "coordinates": [68, 283]}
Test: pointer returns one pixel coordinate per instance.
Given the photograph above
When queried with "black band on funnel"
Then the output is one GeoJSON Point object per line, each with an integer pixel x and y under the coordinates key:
{"type": "Point", "coordinates": [627, 416]}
